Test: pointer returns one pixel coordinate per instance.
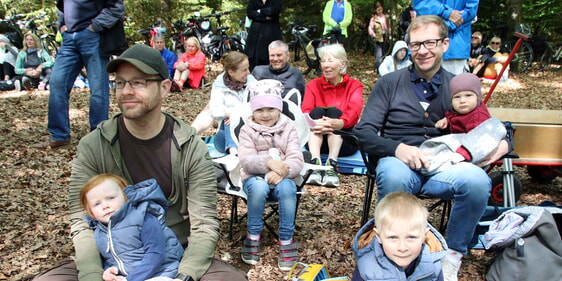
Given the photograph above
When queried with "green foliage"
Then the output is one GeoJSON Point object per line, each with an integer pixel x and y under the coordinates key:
{"type": "Point", "coordinates": [494, 16]}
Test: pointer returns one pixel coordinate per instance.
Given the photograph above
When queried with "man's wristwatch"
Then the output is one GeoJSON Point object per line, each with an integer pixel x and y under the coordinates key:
{"type": "Point", "coordinates": [184, 277]}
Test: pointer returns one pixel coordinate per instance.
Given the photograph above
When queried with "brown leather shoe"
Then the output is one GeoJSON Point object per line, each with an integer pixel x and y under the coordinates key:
{"type": "Point", "coordinates": [52, 144]}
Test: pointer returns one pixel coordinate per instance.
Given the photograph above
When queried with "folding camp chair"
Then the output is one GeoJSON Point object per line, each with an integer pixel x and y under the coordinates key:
{"type": "Point", "coordinates": [229, 164]}
{"type": "Point", "coordinates": [371, 174]}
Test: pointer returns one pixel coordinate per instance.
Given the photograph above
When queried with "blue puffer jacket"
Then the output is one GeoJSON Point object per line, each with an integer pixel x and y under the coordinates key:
{"type": "Point", "coordinates": [120, 242]}
{"type": "Point", "coordinates": [373, 265]}
{"type": "Point", "coordinates": [459, 47]}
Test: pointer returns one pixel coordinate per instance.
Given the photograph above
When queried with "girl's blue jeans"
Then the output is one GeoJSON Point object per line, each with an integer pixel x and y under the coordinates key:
{"type": "Point", "coordinates": [259, 193]}
{"type": "Point", "coordinates": [467, 184]}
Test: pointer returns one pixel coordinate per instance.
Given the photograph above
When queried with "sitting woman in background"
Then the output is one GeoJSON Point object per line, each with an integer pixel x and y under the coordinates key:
{"type": "Point", "coordinates": [397, 60]}
{"type": "Point", "coordinates": [335, 102]}
{"type": "Point", "coordinates": [228, 93]}
{"type": "Point", "coordinates": [492, 59]}
{"type": "Point", "coordinates": [8, 55]}
{"type": "Point", "coordinates": [190, 67]}
{"type": "Point", "coordinates": [33, 65]}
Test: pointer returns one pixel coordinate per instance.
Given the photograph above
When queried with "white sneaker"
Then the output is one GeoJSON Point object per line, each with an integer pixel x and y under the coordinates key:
{"type": "Point", "coordinates": [450, 267]}
{"type": "Point", "coordinates": [316, 177]}
{"type": "Point", "coordinates": [17, 85]}
{"type": "Point", "coordinates": [331, 177]}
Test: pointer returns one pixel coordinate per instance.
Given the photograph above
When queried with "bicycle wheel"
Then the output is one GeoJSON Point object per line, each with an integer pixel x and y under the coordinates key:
{"type": "Point", "coordinates": [53, 47]}
{"type": "Point", "coordinates": [545, 57]}
{"type": "Point", "coordinates": [556, 62]}
{"type": "Point", "coordinates": [523, 59]}
{"type": "Point", "coordinates": [225, 47]}
{"type": "Point", "coordinates": [360, 43]}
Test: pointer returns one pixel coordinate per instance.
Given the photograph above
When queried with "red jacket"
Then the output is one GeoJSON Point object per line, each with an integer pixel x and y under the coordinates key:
{"type": "Point", "coordinates": [347, 96]}
{"type": "Point", "coordinates": [196, 67]}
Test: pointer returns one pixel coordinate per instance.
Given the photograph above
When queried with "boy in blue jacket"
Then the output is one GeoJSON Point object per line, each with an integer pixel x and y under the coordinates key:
{"type": "Point", "coordinates": [399, 243]}
{"type": "Point", "coordinates": [130, 229]}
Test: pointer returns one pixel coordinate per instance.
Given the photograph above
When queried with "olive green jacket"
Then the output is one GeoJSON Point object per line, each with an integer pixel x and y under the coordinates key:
{"type": "Point", "coordinates": [192, 211]}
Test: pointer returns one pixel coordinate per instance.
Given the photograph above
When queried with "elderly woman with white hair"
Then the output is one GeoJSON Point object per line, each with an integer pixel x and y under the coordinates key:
{"type": "Point", "coordinates": [334, 101]}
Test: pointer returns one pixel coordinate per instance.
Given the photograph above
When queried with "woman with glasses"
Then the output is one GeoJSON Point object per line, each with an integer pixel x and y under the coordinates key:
{"type": "Point", "coordinates": [493, 58]}
{"type": "Point", "coordinates": [334, 101]}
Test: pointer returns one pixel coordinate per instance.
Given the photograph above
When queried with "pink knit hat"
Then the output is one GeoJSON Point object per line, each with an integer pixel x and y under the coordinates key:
{"type": "Point", "coordinates": [465, 82]}
{"type": "Point", "coordinates": [266, 93]}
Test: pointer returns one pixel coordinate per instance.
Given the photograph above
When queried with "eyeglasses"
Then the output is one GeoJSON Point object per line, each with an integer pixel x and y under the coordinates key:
{"type": "Point", "coordinates": [495, 43]}
{"type": "Point", "coordinates": [135, 83]}
{"type": "Point", "coordinates": [428, 44]}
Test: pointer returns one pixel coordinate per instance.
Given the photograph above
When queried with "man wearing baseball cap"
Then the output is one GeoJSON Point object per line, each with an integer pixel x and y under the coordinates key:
{"type": "Point", "coordinates": [140, 143]}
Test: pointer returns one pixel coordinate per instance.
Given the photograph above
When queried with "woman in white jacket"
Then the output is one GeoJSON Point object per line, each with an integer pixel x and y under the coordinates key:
{"type": "Point", "coordinates": [227, 95]}
{"type": "Point", "coordinates": [400, 58]}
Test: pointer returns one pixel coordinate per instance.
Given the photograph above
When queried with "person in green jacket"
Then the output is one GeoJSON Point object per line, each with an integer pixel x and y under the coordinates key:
{"type": "Point", "coordinates": [143, 142]}
{"type": "Point", "coordinates": [33, 64]}
{"type": "Point", "coordinates": [337, 16]}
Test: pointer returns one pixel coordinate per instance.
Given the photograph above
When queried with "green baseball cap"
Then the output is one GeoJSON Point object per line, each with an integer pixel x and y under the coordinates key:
{"type": "Point", "coordinates": [143, 57]}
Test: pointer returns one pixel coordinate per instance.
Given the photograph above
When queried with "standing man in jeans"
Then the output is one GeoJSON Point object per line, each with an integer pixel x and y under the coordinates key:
{"type": "Point", "coordinates": [400, 114]}
{"type": "Point", "coordinates": [80, 23]}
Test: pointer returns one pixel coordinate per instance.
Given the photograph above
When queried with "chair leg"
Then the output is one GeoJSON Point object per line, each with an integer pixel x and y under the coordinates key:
{"type": "Point", "coordinates": [233, 216]}
{"type": "Point", "coordinates": [445, 215]}
{"type": "Point", "coordinates": [369, 189]}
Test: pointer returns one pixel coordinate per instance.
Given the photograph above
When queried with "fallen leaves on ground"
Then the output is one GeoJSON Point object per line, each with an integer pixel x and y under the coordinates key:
{"type": "Point", "coordinates": [34, 183]}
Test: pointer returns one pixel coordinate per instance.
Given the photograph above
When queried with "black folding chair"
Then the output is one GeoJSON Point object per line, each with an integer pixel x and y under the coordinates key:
{"type": "Point", "coordinates": [371, 174]}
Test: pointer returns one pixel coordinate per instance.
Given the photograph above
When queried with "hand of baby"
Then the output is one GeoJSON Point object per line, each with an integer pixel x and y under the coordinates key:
{"type": "Point", "coordinates": [442, 124]}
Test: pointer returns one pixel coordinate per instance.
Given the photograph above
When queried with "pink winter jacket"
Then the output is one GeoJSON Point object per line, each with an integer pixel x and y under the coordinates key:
{"type": "Point", "coordinates": [255, 141]}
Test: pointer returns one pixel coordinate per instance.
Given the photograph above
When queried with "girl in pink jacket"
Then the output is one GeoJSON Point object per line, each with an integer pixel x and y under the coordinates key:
{"type": "Point", "coordinates": [270, 157]}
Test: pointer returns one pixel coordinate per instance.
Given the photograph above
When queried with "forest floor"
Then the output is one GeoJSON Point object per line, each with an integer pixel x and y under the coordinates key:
{"type": "Point", "coordinates": [34, 226]}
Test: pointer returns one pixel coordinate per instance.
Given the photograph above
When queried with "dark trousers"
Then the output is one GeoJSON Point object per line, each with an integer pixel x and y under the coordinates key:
{"type": "Point", "coordinates": [66, 271]}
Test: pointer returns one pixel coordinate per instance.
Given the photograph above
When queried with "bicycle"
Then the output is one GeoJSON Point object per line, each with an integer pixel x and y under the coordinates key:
{"type": "Point", "coordinates": [523, 58]}
{"type": "Point", "coordinates": [215, 46]}
{"type": "Point", "coordinates": [548, 57]}
{"type": "Point", "coordinates": [554, 61]}
{"type": "Point", "coordinates": [362, 43]}
{"type": "Point", "coordinates": [11, 29]}
{"type": "Point", "coordinates": [301, 42]}
{"type": "Point", "coordinates": [151, 30]}
{"type": "Point", "coordinates": [197, 26]}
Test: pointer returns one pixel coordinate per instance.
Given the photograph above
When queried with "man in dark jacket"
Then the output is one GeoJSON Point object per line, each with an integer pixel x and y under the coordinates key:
{"type": "Point", "coordinates": [80, 23]}
{"type": "Point", "coordinates": [400, 114]}
{"type": "Point", "coordinates": [280, 69]}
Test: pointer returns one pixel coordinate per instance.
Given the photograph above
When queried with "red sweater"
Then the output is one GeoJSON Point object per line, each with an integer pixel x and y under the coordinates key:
{"type": "Point", "coordinates": [464, 123]}
{"type": "Point", "coordinates": [347, 96]}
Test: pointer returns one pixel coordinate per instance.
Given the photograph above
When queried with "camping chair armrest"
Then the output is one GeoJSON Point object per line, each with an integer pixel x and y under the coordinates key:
{"type": "Point", "coordinates": [349, 137]}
